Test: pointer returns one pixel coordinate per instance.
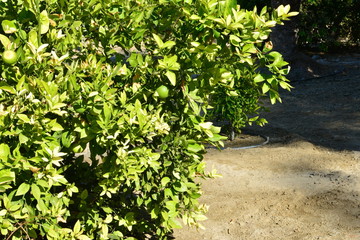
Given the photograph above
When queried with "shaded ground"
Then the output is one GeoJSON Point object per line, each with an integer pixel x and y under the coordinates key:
{"type": "Point", "coordinates": [304, 184]}
{"type": "Point", "coordinates": [325, 110]}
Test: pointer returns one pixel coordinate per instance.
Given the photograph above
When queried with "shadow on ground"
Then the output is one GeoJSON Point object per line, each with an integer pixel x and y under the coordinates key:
{"type": "Point", "coordinates": [324, 111]}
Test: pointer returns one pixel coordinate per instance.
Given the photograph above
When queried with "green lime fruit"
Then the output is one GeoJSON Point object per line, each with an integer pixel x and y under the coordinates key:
{"type": "Point", "coordinates": [162, 91]}
{"type": "Point", "coordinates": [9, 57]}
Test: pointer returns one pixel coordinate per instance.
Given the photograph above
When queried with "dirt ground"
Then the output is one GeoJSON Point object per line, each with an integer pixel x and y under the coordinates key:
{"type": "Point", "coordinates": [303, 184]}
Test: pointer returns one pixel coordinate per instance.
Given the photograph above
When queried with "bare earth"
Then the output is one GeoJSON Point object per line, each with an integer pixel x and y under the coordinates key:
{"type": "Point", "coordinates": [304, 184]}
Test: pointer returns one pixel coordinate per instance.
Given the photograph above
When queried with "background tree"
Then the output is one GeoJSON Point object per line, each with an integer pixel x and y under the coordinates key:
{"type": "Point", "coordinates": [321, 26]}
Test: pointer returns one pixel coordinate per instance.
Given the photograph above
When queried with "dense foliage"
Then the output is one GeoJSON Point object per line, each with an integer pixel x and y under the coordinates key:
{"type": "Point", "coordinates": [256, 71]}
{"type": "Point", "coordinates": [328, 24]}
{"type": "Point", "coordinates": [130, 83]}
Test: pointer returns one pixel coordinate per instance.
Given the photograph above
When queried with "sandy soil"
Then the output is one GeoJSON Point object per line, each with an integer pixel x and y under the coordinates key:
{"type": "Point", "coordinates": [305, 183]}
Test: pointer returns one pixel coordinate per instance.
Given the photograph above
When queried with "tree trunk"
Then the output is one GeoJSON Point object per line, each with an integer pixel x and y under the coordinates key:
{"type": "Point", "coordinates": [284, 36]}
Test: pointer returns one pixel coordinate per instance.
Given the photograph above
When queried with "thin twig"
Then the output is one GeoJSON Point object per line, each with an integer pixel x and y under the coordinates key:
{"type": "Point", "coordinates": [19, 227]}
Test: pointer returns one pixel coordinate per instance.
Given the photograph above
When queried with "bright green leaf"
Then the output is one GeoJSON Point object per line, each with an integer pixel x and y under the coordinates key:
{"type": "Point", "coordinates": [235, 40]}
{"type": "Point", "coordinates": [172, 77]}
{"type": "Point", "coordinates": [8, 89]}
{"type": "Point", "coordinates": [8, 26]}
{"type": "Point", "coordinates": [265, 88]}
{"type": "Point", "coordinates": [165, 181]}
{"type": "Point", "coordinates": [158, 41]}
{"type": "Point", "coordinates": [169, 44]}
{"type": "Point", "coordinates": [44, 22]}
{"type": "Point", "coordinates": [259, 78]}
{"type": "Point", "coordinates": [23, 189]}
{"type": "Point", "coordinates": [55, 126]}
{"type": "Point", "coordinates": [23, 138]}
{"type": "Point", "coordinates": [41, 206]}
{"type": "Point", "coordinates": [23, 117]}
{"type": "Point", "coordinates": [83, 237]}
{"type": "Point", "coordinates": [5, 41]}
{"type": "Point", "coordinates": [33, 38]}
{"type": "Point", "coordinates": [36, 192]}
{"type": "Point", "coordinates": [77, 227]}
{"type": "Point", "coordinates": [195, 147]}
{"type": "Point", "coordinates": [6, 175]}
{"type": "Point", "coordinates": [4, 151]}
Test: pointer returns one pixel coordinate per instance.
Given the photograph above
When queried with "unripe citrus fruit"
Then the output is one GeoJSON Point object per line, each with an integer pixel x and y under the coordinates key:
{"type": "Point", "coordinates": [9, 57]}
{"type": "Point", "coordinates": [162, 91]}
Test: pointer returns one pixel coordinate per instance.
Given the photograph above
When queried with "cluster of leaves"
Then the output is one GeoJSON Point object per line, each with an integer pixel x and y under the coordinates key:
{"type": "Point", "coordinates": [255, 69]}
{"type": "Point", "coordinates": [89, 146]}
{"type": "Point", "coordinates": [327, 24]}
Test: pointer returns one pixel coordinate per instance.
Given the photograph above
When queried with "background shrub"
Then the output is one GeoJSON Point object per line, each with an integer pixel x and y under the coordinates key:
{"type": "Point", "coordinates": [329, 24]}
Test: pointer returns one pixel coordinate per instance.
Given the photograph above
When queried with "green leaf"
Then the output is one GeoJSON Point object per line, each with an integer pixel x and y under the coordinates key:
{"type": "Point", "coordinates": [180, 187]}
{"type": "Point", "coordinates": [52, 233]}
{"type": "Point", "coordinates": [4, 151]}
{"type": "Point", "coordinates": [217, 137]}
{"type": "Point", "coordinates": [55, 126]}
{"type": "Point", "coordinates": [66, 139]}
{"type": "Point", "coordinates": [174, 224]}
{"type": "Point", "coordinates": [6, 176]}
{"type": "Point", "coordinates": [3, 212]}
{"type": "Point", "coordinates": [276, 56]}
{"type": "Point", "coordinates": [249, 48]}
{"type": "Point", "coordinates": [23, 189]}
{"type": "Point", "coordinates": [14, 207]}
{"type": "Point", "coordinates": [23, 117]}
{"type": "Point", "coordinates": [229, 5]}
{"type": "Point", "coordinates": [206, 125]}
{"type": "Point", "coordinates": [265, 88]}
{"type": "Point", "coordinates": [165, 180]}
{"type": "Point", "coordinates": [169, 44]}
{"type": "Point", "coordinates": [5, 41]}
{"type": "Point", "coordinates": [8, 89]}
{"type": "Point", "coordinates": [35, 190]}
{"type": "Point", "coordinates": [285, 85]}
{"type": "Point", "coordinates": [29, 4]}
{"type": "Point", "coordinates": [171, 205]}
{"type": "Point", "coordinates": [23, 138]}
{"type": "Point", "coordinates": [33, 38]}
{"type": "Point", "coordinates": [123, 98]}
{"type": "Point", "coordinates": [172, 62]}
{"type": "Point", "coordinates": [77, 227]}
{"type": "Point", "coordinates": [259, 78]}
{"type": "Point", "coordinates": [235, 40]}
{"type": "Point", "coordinates": [274, 97]}
{"type": "Point", "coordinates": [84, 237]}
{"type": "Point", "coordinates": [158, 41]}
{"type": "Point", "coordinates": [139, 17]}
{"type": "Point", "coordinates": [41, 206]}
{"type": "Point", "coordinates": [107, 112]}
{"type": "Point", "coordinates": [169, 63]}
{"type": "Point", "coordinates": [172, 77]}
{"type": "Point", "coordinates": [195, 147]}
{"type": "Point", "coordinates": [8, 26]}
{"type": "Point", "coordinates": [44, 22]}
